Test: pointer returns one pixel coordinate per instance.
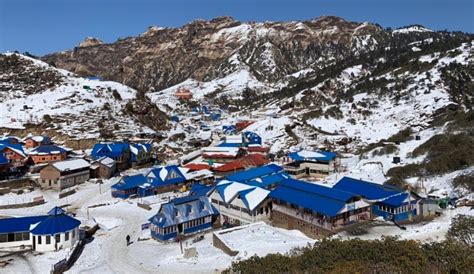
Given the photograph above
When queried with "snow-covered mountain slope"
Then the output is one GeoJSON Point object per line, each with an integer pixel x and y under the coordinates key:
{"type": "Point", "coordinates": [71, 105]}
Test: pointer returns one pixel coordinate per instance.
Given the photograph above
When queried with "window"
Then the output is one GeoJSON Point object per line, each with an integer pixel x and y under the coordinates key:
{"type": "Point", "coordinates": [3, 238]}
{"type": "Point", "coordinates": [57, 238]}
{"type": "Point", "coordinates": [74, 233]}
{"type": "Point", "coordinates": [11, 237]}
{"type": "Point", "coordinates": [39, 240]}
{"type": "Point", "coordinates": [66, 236]}
{"type": "Point", "coordinates": [48, 240]}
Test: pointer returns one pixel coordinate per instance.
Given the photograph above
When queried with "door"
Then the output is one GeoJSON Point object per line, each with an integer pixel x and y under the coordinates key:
{"type": "Point", "coordinates": [34, 242]}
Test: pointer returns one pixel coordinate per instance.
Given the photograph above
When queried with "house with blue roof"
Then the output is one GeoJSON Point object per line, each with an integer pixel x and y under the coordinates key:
{"type": "Point", "coordinates": [183, 217]}
{"type": "Point", "coordinates": [140, 153]}
{"type": "Point", "coordinates": [129, 185]}
{"type": "Point", "coordinates": [47, 154]}
{"type": "Point", "coordinates": [388, 202]}
{"type": "Point", "coordinates": [314, 209]}
{"type": "Point", "coordinates": [12, 140]}
{"type": "Point", "coordinates": [306, 163]}
{"type": "Point", "coordinates": [240, 204]}
{"type": "Point", "coordinates": [267, 176]}
{"type": "Point", "coordinates": [118, 151]}
{"type": "Point", "coordinates": [53, 231]}
{"type": "Point", "coordinates": [14, 153]}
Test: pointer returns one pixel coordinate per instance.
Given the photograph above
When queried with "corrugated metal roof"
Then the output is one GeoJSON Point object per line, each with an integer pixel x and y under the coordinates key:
{"type": "Point", "coordinates": [53, 224]}
{"type": "Point", "coordinates": [128, 182]}
{"type": "Point", "coordinates": [269, 180]}
{"type": "Point", "coordinates": [21, 224]}
{"type": "Point", "coordinates": [327, 192]}
{"type": "Point", "coordinates": [47, 149]}
{"type": "Point", "coordinates": [71, 164]}
{"type": "Point", "coordinates": [370, 191]}
{"type": "Point", "coordinates": [17, 148]}
{"type": "Point", "coordinates": [183, 210]}
{"type": "Point", "coordinates": [323, 156]}
{"type": "Point", "coordinates": [308, 200]}
{"type": "Point", "coordinates": [253, 173]}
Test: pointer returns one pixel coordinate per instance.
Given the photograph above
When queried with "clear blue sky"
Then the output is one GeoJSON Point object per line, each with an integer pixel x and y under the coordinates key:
{"type": "Point", "coordinates": [44, 26]}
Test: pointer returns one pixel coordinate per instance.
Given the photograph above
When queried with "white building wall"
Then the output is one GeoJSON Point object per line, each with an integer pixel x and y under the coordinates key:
{"type": "Point", "coordinates": [44, 247]}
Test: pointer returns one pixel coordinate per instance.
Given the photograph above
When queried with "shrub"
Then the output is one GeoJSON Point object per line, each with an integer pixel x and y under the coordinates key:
{"type": "Point", "coordinates": [462, 230]}
{"type": "Point", "coordinates": [465, 181]}
{"type": "Point", "coordinates": [47, 118]}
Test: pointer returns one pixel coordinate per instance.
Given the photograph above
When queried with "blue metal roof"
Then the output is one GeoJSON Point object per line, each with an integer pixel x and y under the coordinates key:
{"type": "Point", "coordinates": [182, 210]}
{"type": "Point", "coordinates": [366, 189]}
{"type": "Point", "coordinates": [328, 156]}
{"type": "Point", "coordinates": [48, 149]}
{"type": "Point", "coordinates": [253, 173]}
{"type": "Point", "coordinates": [320, 190]}
{"type": "Point", "coordinates": [269, 180]}
{"type": "Point", "coordinates": [53, 224]}
{"type": "Point", "coordinates": [158, 181]}
{"type": "Point", "coordinates": [200, 189]}
{"type": "Point", "coordinates": [300, 195]}
{"type": "Point", "coordinates": [252, 138]}
{"type": "Point", "coordinates": [15, 147]}
{"type": "Point", "coordinates": [129, 182]}
{"type": "Point", "coordinates": [396, 200]}
{"type": "Point", "coordinates": [224, 144]}
{"type": "Point", "coordinates": [21, 224]}
{"type": "Point", "coordinates": [109, 150]}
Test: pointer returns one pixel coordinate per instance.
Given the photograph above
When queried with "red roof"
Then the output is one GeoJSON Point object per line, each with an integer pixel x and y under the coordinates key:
{"type": "Point", "coordinates": [243, 124]}
{"type": "Point", "coordinates": [195, 167]}
{"type": "Point", "coordinates": [258, 149]}
{"type": "Point", "coordinates": [252, 160]}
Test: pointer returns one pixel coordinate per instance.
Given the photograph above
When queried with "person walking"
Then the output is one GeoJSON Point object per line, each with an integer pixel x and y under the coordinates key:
{"type": "Point", "coordinates": [128, 239]}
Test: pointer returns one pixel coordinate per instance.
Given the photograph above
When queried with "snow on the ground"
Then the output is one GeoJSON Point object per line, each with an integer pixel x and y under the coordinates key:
{"type": "Point", "coordinates": [255, 238]}
{"type": "Point", "coordinates": [79, 102]}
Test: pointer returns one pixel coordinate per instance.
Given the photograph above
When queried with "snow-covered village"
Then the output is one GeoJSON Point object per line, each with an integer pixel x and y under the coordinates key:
{"type": "Point", "coordinates": [223, 146]}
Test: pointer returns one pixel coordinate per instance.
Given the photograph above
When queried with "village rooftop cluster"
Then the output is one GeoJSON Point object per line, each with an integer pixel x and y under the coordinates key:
{"type": "Point", "coordinates": [231, 183]}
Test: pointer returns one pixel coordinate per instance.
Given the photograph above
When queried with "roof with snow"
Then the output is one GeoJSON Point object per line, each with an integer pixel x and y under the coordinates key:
{"type": "Point", "coordinates": [252, 160]}
{"type": "Point", "coordinates": [166, 175]}
{"type": "Point", "coordinates": [17, 148]}
{"type": "Point", "coordinates": [220, 152]}
{"type": "Point", "coordinates": [9, 139]}
{"type": "Point", "coordinates": [182, 210]}
{"type": "Point", "coordinates": [43, 139]}
{"type": "Point", "coordinates": [106, 161]}
{"type": "Point", "coordinates": [254, 173]}
{"type": "Point", "coordinates": [129, 182]}
{"type": "Point", "coordinates": [136, 148]}
{"type": "Point", "coordinates": [325, 200]}
{"type": "Point", "coordinates": [20, 224]}
{"type": "Point", "coordinates": [369, 190]}
{"type": "Point", "coordinates": [47, 149]}
{"type": "Point", "coordinates": [306, 155]}
{"type": "Point", "coordinates": [251, 196]}
{"type": "Point", "coordinates": [270, 180]}
{"type": "Point", "coordinates": [109, 149]}
{"type": "Point", "coordinates": [71, 165]}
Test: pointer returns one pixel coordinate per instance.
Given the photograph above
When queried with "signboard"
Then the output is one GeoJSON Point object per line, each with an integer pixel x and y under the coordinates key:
{"type": "Point", "coordinates": [145, 226]}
